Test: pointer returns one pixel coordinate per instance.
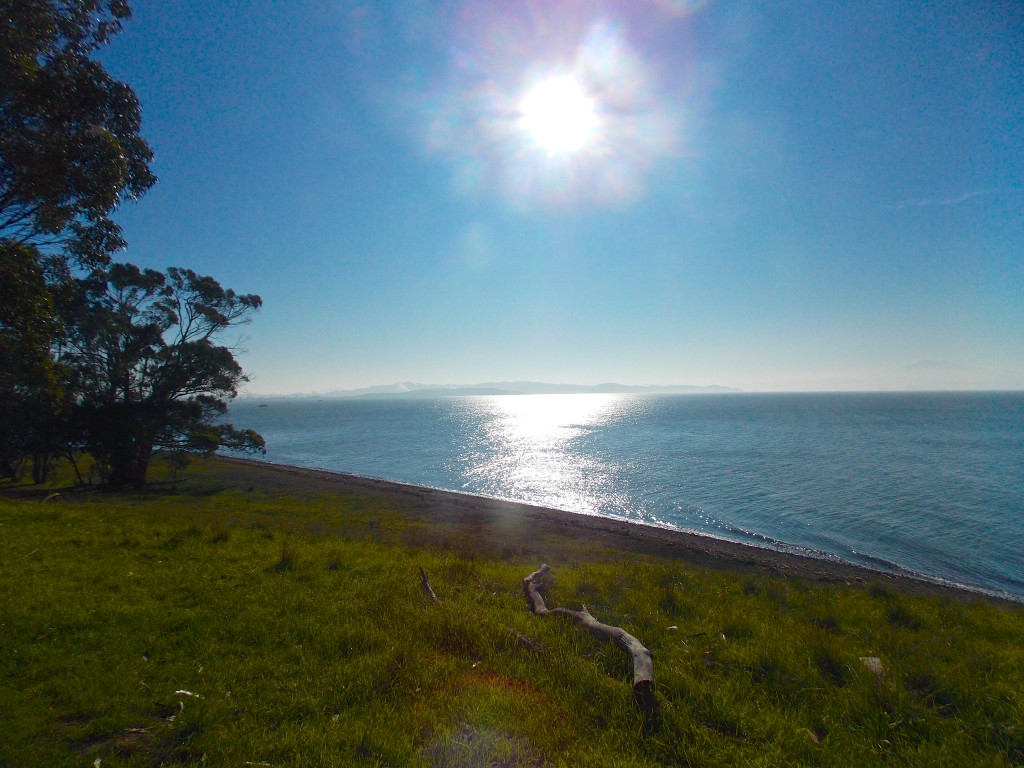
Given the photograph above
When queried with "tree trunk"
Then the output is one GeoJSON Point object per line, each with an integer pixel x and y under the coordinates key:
{"type": "Point", "coordinates": [130, 464]}
{"type": "Point", "coordinates": [12, 467]}
{"type": "Point", "coordinates": [40, 466]}
{"type": "Point", "coordinates": [70, 453]}
{"type": "Point", "coordinates": [139, 471]}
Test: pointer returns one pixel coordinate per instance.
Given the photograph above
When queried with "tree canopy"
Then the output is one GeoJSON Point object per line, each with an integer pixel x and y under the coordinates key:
{"type": "Point", "coordinates": [106, 357]}
{"type": "Point", "coordinates": [145, 359]}
{"type": "Point", "coordinates": [70, 148]}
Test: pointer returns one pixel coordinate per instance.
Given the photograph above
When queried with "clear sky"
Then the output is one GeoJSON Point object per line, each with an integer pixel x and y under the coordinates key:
{"type": "Point", "coordinates": [766, 195]}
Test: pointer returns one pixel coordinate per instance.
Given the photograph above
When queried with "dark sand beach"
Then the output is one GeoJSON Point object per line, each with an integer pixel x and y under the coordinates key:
{"type": "Point", "coordinates": [524, 527]}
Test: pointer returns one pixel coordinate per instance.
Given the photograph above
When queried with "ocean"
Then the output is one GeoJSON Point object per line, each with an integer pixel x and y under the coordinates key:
{"type": "Point", "coordinates": [931, 484]}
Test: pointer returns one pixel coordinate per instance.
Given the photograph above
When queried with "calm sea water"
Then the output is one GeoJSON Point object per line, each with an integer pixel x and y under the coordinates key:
{"type": "Point", "coordinates": [928, 483]}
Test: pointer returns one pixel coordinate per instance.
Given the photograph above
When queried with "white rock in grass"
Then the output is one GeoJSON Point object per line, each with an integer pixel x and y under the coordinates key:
{"type": "Point", "coordinates": [874, 664]}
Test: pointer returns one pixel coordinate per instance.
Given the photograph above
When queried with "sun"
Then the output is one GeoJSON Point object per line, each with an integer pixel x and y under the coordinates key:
{"type": "Point", "coordinates": [558, 115]}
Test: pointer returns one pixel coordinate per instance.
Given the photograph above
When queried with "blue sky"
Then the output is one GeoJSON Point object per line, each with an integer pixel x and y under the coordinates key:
{"type": "Point", "coordinates": [766, 195]}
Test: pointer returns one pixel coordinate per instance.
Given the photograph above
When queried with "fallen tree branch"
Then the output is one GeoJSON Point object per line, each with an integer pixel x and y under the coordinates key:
{"type": "Point", "coordinates": [643, 664]}
{"type": "Point", "coordinates": [425, 583]}
{"type": "Point", "coordinates": [525, 641]}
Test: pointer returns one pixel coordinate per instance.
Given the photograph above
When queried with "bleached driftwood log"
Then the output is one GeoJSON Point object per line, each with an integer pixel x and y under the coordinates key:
{"type": "Point", "coordinates": [643, 664]}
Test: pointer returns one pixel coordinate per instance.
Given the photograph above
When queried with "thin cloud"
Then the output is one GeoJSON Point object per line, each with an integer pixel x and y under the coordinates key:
{"type": "Point", "coordinates": [935, 365]}
{"type": "Point", "coordinates": [940, 201]}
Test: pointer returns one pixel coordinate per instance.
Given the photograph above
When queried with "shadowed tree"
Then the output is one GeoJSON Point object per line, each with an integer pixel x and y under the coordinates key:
{"type": "Point", "coordinates": [70, 153]}
{"type": "Point", "coordinates": [31, 381]}
{"type": "Point", "coordinates": [147, 367]}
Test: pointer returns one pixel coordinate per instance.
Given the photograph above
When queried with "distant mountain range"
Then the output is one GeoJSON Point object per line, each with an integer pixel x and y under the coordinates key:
{"type": "Point", "coordinates": [411, 389]}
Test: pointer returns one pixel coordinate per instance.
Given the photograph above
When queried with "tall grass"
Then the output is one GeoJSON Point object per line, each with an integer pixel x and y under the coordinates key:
{"type": "Point", "coordinates": [283, 625]}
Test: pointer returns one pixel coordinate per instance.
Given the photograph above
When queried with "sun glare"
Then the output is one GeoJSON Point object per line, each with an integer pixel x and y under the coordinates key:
{"type": "Point", "coordinates": [573, 118]}
{"type": "Point", "coordinates": [558, 115]}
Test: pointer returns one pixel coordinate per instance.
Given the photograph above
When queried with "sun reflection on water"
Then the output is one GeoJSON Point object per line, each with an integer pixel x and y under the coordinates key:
{"type": "Point", "coordinates": [527, 448]}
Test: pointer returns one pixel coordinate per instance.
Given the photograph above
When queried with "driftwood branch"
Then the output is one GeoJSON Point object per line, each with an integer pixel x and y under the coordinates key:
{"type": "Point", "coordinates": [643, 664]}
{"type": "Point", "coordinates": [425, 583]}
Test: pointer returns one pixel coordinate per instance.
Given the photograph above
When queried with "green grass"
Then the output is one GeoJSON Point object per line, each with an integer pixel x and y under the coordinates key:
{"type": "Point", "coordinates": [294, 615]}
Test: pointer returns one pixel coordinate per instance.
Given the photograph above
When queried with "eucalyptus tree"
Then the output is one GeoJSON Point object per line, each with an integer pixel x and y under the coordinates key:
{"type": "Point", "coordinates": [70, 153]}
{"type": "Point", "coordinates": [149, 369]}
{"type": "Point", "coordinates": [70, 147]}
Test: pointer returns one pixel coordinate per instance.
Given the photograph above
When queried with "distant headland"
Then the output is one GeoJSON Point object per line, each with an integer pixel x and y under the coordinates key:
{"type": "Point", "coordinates": [411, 389]}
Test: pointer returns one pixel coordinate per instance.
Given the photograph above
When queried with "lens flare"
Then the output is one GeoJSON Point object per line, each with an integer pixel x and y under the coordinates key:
{"type": "Point", "coordinates": [549, 104]}
{"type": "Point", "coordinates": [558, 115]}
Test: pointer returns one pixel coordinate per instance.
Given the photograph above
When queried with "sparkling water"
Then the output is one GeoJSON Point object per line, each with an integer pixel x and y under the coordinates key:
{"type": "Point", "coordinates": [927, 483]}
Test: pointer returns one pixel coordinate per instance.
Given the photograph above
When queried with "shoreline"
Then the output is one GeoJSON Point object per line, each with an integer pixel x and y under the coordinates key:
{"type": "Point", "coordinates": [512, 519]}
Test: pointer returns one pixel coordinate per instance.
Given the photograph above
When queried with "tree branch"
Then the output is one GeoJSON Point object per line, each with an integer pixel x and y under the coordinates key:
{"type": "Point", "coordinates": [425, 583]}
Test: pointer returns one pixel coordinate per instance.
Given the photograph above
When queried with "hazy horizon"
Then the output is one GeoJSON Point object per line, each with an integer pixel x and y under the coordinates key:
{"type": "Point", "coordinates": [774, 197]}
{"type": "Point", "coordinates": [393, 388]}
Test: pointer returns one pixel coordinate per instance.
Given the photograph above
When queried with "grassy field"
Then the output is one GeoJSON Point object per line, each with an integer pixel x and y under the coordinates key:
{"type": "Point", "coordinates": [242, 617]}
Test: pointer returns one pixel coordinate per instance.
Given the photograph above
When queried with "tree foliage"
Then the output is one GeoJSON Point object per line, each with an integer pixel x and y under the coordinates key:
{"type": "Point", "coordinates": [70, 149]}
{"type": "Point", "coordinates": [70, 152]}
{"type": "Point", "coordinates": [125, 360]}
{"type": "Point", "coordinates": [148, 367]}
